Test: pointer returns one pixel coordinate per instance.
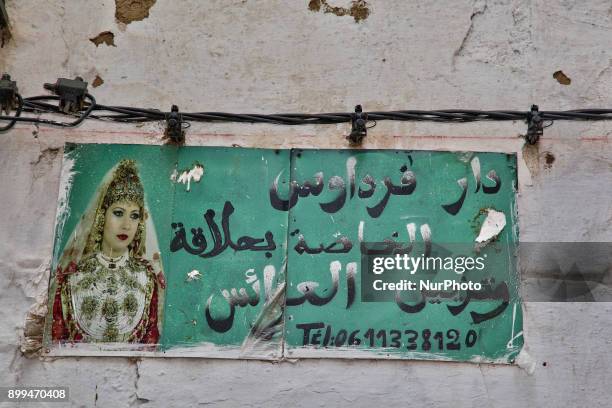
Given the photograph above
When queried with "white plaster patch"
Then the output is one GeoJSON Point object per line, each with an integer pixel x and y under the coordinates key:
{"type": "Point", "coordinates": [492, 225]}
{"type": "Point", "coordinates": [526, 362]}
{"type": "Point", "coordinates": [187, 176]}
{"type": "Point", "coordinates": [193, 275]}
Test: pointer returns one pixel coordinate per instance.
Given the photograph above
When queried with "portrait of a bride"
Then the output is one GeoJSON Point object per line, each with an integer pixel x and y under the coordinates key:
{"type": "Point", "coordinates": [105, 290]}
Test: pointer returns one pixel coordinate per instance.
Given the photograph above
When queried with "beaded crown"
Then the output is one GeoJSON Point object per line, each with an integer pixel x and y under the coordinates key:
{"type": "Point", "coordinates": [125, 185]}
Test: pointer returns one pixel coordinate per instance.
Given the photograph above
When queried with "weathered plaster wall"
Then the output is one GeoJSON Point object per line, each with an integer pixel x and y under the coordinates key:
{"type": "Point", "coordinates": [292, 56]}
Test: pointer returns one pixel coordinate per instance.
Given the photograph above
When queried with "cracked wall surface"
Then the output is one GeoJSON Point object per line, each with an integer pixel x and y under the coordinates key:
{"type": "Point", "coordinates": [248, 56]}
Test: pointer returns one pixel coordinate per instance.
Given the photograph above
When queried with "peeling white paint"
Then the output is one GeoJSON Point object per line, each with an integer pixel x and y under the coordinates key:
{"type": "Point", "coordinates": [268, 274]}
{"type": "Point", "coordinates": [251, 276]}
{"type": "Point", "coordinates": [411, 228]}
{"type": "Point", "coordinates": [193, 275]}
{"type": "Point", "coordinates": [63, 211]}
{"type": "Point", "coordinates": [350, 169]}
{"type": "Point", "coordinates": [426, 232]}
{"type": "Point", "coordinates": [187, 176]}
{"type": "Point", "coordinates": [360, 231]}
{"type": "Point", "coordinates": [336, 182]}
{"type": "Point", "coordinates": [351, 269]}
{"type": "Point", "coordinates": [492, 225]}
{"type": "Point", "coordinates": [475, 163]}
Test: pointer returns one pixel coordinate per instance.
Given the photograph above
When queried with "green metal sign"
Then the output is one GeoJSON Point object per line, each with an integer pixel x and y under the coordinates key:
{"type": "Point", "coordinates": [257, 253]}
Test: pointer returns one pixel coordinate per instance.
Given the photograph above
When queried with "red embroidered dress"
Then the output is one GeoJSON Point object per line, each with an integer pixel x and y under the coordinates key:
{"type": "Point", "coordinates": [107, 300]}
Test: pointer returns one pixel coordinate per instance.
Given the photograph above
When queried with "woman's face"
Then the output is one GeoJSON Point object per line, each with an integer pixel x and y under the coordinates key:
{"type": "Point", "coordinates": [120, 225]}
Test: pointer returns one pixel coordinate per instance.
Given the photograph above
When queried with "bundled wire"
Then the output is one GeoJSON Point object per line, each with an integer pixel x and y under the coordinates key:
{"type": "Point", "coordinates": [76, 102]}
{"type": "Point", "coordinates": [34, 105]}
{"type": "Point", "coordinates": [38, 105]}
{"type": "Point", "coordinates": [15, 118]}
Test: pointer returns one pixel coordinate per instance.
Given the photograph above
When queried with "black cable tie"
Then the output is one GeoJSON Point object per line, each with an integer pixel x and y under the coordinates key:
{"type": "Point", "coordinates": [358, 126]}
{"type": "Point", "coordinates": [8, 94]}
{"type": "Point", "coordinates": [71, 93]}
{"type": "Point", "coordinates": [535, 125]}
{"type": "Point", "coordinates": [174, 126]}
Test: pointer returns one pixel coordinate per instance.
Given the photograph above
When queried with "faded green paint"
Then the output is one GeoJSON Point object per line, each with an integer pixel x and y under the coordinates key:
{"type": "Point", "coordinates": [436, 176]}
{"type": "Point", "coordinates": [243, 178]}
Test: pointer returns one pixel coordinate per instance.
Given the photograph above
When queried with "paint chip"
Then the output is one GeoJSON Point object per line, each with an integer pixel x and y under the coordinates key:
{"type": "Point", "coordinates": [492, 225]}
{"type": "Point", "coordinates": [562, 78]}
{"type": "Point", "coordinates": [526, 362]}
{"type": "Point", "coordinates": [127, 11]}
{"type": "Point", "coordinates": [187, 176]}
{"type": "Point", "coordinates": [359, 9]}
{"type": "Point", "coordinates": [314, 5]}
{"type": "Point", "coordinates": [549, 159]}
{"type": "Point", "coordinates": [105, 37]}
{"type": "Point", "coordinates": [97, 81]}
{"type": "Point", "coordinates": [193, 275]}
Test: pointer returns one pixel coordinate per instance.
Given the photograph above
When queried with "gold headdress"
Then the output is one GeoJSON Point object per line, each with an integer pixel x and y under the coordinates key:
{"type": "Point", "coordinates": [124, 185]}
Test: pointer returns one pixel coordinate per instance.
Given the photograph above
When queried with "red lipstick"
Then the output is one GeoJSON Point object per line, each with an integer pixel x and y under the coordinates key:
{"type": "Point", "coordinates": [122, 237]}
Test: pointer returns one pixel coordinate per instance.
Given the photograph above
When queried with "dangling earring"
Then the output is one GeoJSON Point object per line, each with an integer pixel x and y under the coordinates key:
{"type": "Point", "coordinates": [98, 231]}
{"type": "Point", "coordinates": [136, 244]}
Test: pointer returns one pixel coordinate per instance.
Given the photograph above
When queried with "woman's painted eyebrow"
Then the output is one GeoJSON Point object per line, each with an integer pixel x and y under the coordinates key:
{"type": "Point", "coordinates": [118, 208]}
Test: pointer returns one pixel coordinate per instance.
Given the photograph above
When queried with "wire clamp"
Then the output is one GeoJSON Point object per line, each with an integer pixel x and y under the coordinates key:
{"type": "Point", "coordinates": [358, 126]}
{"type": "Point", "coordinates": [8, 94]}
{"type": "Point", "coordinates": [71, 93]}
{"type": "Point", "coordinates": [535, 125]}
{"type": "Point", "coordinates": [174, 126]}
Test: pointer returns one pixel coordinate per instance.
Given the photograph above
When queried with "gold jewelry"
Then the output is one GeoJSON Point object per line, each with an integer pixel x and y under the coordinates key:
{"type": "Point", "coordinates": [125, 185]}
{"type": "Point", "coordinates": [137, 247]}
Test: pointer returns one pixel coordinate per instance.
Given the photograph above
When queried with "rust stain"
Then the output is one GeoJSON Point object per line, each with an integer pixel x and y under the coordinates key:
{"type": "Point", "coordinates": [127, 11]}
{"type": "Point", "coordinates": [5, 36]}
{"type": "Point", "coordinates": [534, 159]}
{"type": "Point", "coordinates": [531, 155]}
{"type": "Point", "coordinates": [549, 159]}
{"type": "Point", "coordinates": [32, 344]}
{"type": "Point", "coordinates": [359, 9]}
{"type": "Point", "coordinates": [314, 5]}
{"type": "Point", "coordinates": [97, 81]}
{"type": "Point", "coordinates": [106, 37]}
{"type": "Point", "coordinates": [562, 78]}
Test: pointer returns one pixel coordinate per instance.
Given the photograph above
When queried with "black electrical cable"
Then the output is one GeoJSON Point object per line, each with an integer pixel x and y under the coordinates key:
{"type": "Point", "coordinates": [122, 114]}
{"type": "Point", "coordinates": [92, 105]}
{"type": "Point", "coordinates": [36, 107]}
{"type": "Point", "coordinates": [17, 114]}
